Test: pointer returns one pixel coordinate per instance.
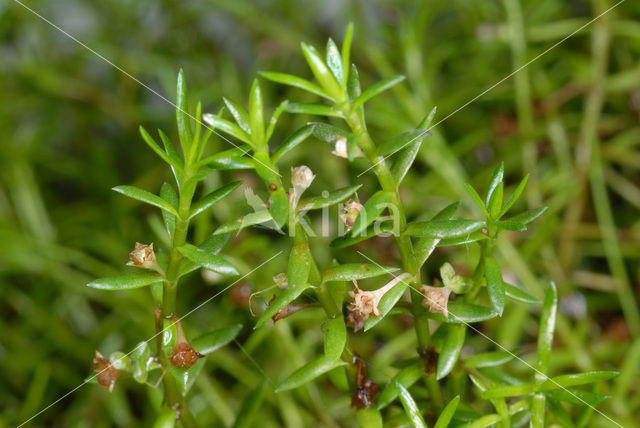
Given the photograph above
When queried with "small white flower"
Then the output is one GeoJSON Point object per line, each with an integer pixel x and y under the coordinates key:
{"type": "Point", "coordinates": [301, 178]}
{"type": "Point", "coordinates": [436, 299]}
{"type": "Point", "coordinates": [341, 149]}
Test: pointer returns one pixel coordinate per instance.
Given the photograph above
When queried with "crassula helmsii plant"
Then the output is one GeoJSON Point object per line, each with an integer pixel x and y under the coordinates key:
{"type": "Point", "coordinates": [432, 386]}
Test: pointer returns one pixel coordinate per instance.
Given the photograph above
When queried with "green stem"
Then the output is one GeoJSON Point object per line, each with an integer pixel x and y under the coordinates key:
{"type": "Point", "coordinates": [405, 247]}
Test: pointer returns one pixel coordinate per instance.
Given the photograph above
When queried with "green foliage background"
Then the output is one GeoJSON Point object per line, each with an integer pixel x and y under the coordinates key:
{"type": "Point", "coordinates": [69, 128]}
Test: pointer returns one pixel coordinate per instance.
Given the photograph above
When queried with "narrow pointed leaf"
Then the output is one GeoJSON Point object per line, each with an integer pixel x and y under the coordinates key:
{"type": "Point", "coordinates": [320, 71]}
{"type": "Point", "coordinates": [404, 159]}
{"type": "Point", "coordinates": [298, 82]}
{"type": "Point", "coordinates": [279, 207]}
{"type": "Point", "coordinates": [547, 327]}
{"type": "Point", "coordinates": [406, 377]}
{"type": "Point", "coordinates": [518, 295]}
{"type": "Point", "coordinates": [317, 202]}
{"type": "Point", "coordinates": [334, 61]}
{"type": "Point", "coordinates": [348, 240]}
{"type": "Point", "coordinates": [577, 396]}
{"type": "Point", "coordinates": [125, 282]}
{"type": "Point", "coordinates": [443, 228]}
{"type": "Point", "coordinates": [256, 114]}
{"type": "Point", "coordinates": [173, 154]}
{"type": "Point", "coordinates": [527, 216]}
{"type": "Point", "coordinates": [495, 285]}
{"type": "Point", "coordinates": [353, 84]}
{"type": "Point", "coordinates": [335, 338]}
{"type": "Point", "coordinates": [377, 89]}
{"type": "Point", "coordinates": [496, 178]}
{"type": "Point", "coordinates": [401, 141]}
{"type": "Point", "coordinates": [182, 115]}
{"type": "Point", "coordinates": [239, 114]}
{"type": "Point", "coordinates": [212, 198]}
{"type": "Point", "coordinates": [169, 194]}
{"type": "Point", "coordinates": [514, 196]}
{"type": "Point", "coordinates": [207, 260]}
{"type": "Point", "coordinates": [348, 272]}
{"type": "Point", "coordinates": [291, 142]}
{"type": "Point", "coordinates": [508, 391]}
{"type": "Point", "coordinates": [564, 381]}
{"type": "Point", "coordinates": [463, 312]}
{"type": "Point", "coordinates": [230, 163]}
{"type": "Point", "coordinates": [411, 408]}
{"type": "Point", "coordinates": [251, 219]}
{"type": "Point", "coordinates": [423, 247]}
{"type": "Point", "coordinates": [463, 239]}
{"type": "Point", "coordinates": [155, 147]}
{"type": "Point", "coordinates": [447, 413]}
{"type": "Point", "coordinates": [345, 55]}
{"type": "Point", "coordinates": [312, 109]}
{"type": "Point", "coordinates": [387, 302]}
{"type": "Point", "coordinates": [212, 245]}
{"type": "Point", "coordinates": [489, 359]}
{"type": "Point", "coordinates": [328, 133]}
{"type": "Point", "coordinates": [214, 340]}
{"type": "Point", "coordinates": [227, 127]}
{"type": "Point", "coordinates": [307, 373]}
{"type": "Point", "coordinates": [495, 204]}
{"type": "Point", "coordinates": [274, 119]}
{"type": "Point", "coordinates": [453, 341]}
{"type": "Point", "coordinates": [476, 198]}
{"type": "Point", "coordinates": [370, 211]}
{"type": "Point", "coordinates": [146, 197]}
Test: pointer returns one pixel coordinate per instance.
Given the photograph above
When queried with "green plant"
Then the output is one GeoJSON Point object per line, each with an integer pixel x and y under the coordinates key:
{"type": "Point", "coordinates": [439, 352]}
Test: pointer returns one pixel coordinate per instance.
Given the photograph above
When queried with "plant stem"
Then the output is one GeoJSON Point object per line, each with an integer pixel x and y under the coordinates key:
{"type": "Point", "coordinates": [405, 247]}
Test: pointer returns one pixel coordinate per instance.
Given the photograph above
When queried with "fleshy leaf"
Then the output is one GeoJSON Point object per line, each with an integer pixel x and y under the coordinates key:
{"type": "Point", "coordinates": [348, 272]}
{"type": "Point", "coordinates": [207, 260]}
{"type": "Point", "coordinates": [335, 338]}
{"type": "Point", "coordinates": [146, 197]}
{"type": "Point", "coordinates": [307, 373]}
{"type": "Point", "coordinates": [453, 340]}
{"type": "Point", "coordinates": [125, 282]}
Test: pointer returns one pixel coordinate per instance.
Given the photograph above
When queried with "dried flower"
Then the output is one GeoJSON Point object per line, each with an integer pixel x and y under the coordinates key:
{"type": "Point", "coordinates": [436, 299]}
{"type": "Point", "coordinates": [281, 280]}
{"type": "Point", "coordinates": [365, 303]}
{"type": "Point", "coordinates": [429, 356]}
{"type": "Point", "coordinates": [457, 283]}
{"type": "Point", "coordinates": [366, 391]}
{"type": "Point", "coordinates": [143, 256]}
{"type": "Point", "coordinates": [341, 149]}
{"type": "Point", "coordinates": [350, 213]}
{"type": "Point", "coordinates": [184, 355]}
{"type": "Point", "coordinates": [107, 374]}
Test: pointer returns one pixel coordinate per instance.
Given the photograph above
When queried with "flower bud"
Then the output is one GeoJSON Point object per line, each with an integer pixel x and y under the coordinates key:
{"type": "Point", "coordinates": [341, 149]}
{"type": "Point", "coordinates": [457, 283]}
{"type": "Point", "coordinates": [143, 256]}
{"type": "Point", "coordinates": [436, 299]}
{"type": "Point", "coordinates": [107, 374]}
{"type": "Point", "coordinates": [301, 178]}
{"type": "Point", "coordinates": [184, 355]}
{"type": "Point", "coordinates": [350, 213]}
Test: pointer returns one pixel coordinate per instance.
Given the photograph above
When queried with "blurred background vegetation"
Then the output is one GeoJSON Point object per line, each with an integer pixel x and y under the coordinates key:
{"type": "Point", "coordinates": [68, 126]}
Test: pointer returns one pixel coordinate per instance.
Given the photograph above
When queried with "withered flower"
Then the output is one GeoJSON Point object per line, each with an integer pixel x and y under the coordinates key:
{"type": "Point", "coordinates": [355, 319]}
{"type": "Point", "coordinates": [367, 301]}
{"type": "Point", "coordinates": [143, 256]}
{"type": "Point", "coordinates": [430, 358]}
{"type": "Point", "coordinates": [350, 213]}
{"type": "Point", "coordinates": [436, 299]}
{"type": "Point", "coordinates": [107, 374]}
{"type": "Point", "coordinates": [183, 355]}
{"type": "Point", "coordinates": [366, 390]}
